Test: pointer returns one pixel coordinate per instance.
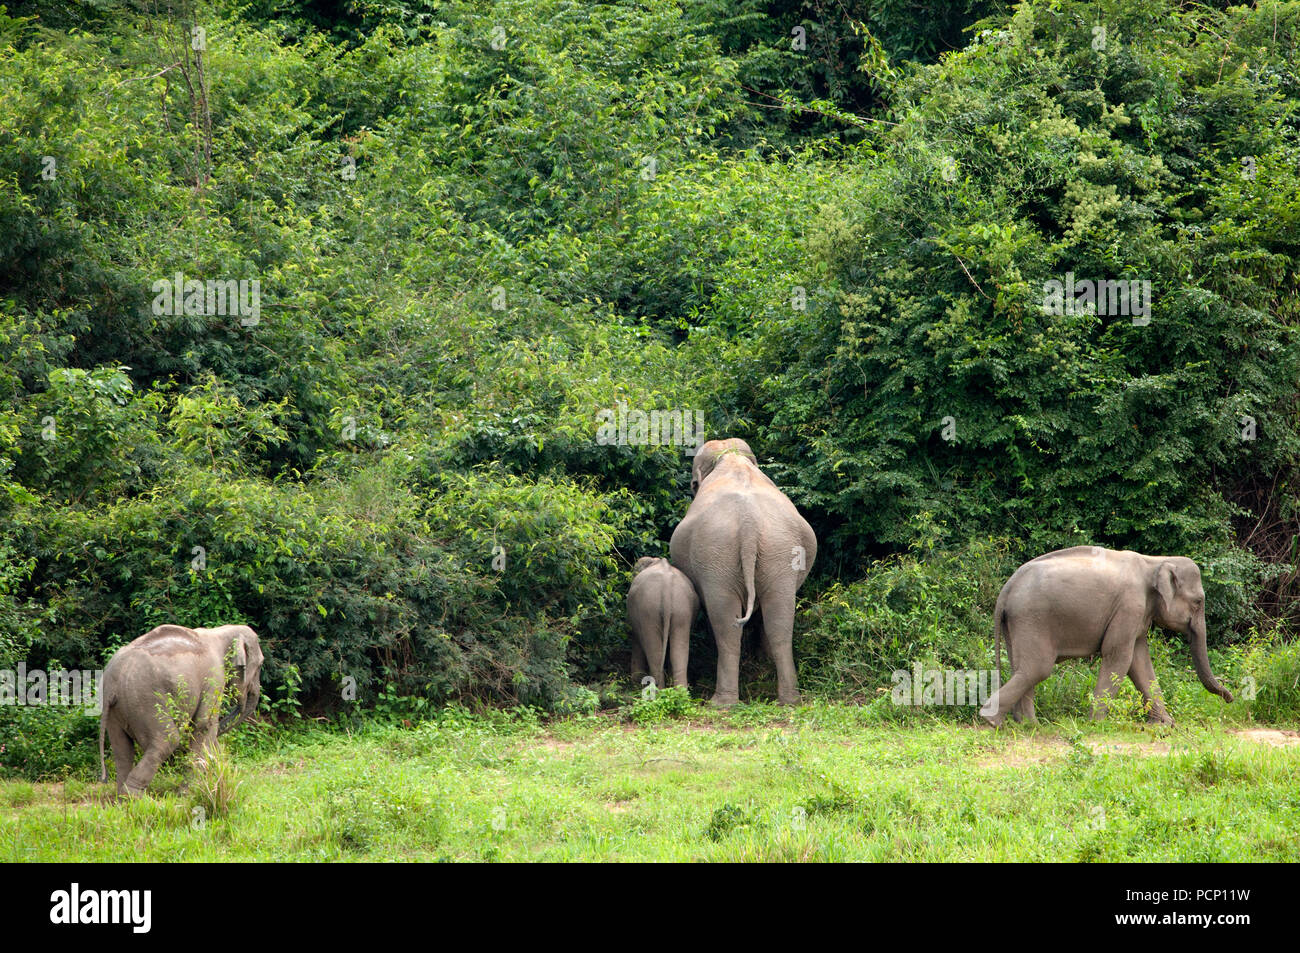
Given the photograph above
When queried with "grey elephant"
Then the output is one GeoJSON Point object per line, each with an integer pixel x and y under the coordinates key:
{"type": "Point", "coordinates": [661, 605]}
{"type": "Point", "coordinates": [745, 547]}
{"type": "Point", "coordinates": [169, 682]}
{"type": "Point", "coordinates": [1088, 601]}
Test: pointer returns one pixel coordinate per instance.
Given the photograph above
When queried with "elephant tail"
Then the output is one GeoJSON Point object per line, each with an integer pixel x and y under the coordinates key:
{"type": "Point", "coordinates": [999, 633]}
{"type": "Point", "coordinates": [748, 556]}
{"type": "Point", "coordinates": [665, 620]}
{"type": "Point", "coordinates": [103, 768]}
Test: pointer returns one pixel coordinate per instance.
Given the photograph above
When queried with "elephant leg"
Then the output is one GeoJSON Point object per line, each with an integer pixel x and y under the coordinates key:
{"type": "Point", "coordinates": [1116, 659]}
{"type": "Point", "coordinates": [1023, 710]}
{"type": "Point", "coordinates": [1035, 665]}
{"type": "Point", "coordinates": [778, 638]}
{"type": "Point", "coordinates": [656, 670]}
{"type": "Point", "coordinates": [680, 648]}
{"type": "Point", "coordinates": [639, 666]}
{"type": "Point", "coordinates": [1141, 673]}
{"type": "Point", "coordinates": [158, 751]}
{"type": "Point", "coordinates": [723, 611]}
{"type": "Point", "coordinates": [123, 754]}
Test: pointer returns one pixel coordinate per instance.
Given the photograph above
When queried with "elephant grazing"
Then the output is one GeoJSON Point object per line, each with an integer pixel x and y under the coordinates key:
{"type": "Point", "coordinates": [169, 681]}
{"type": "Point", "coordinates": [661, 605]}
{"type": "Point", "coordinates": [1087, 601]}
{"type": "Point", "coordinates": [744, 546]}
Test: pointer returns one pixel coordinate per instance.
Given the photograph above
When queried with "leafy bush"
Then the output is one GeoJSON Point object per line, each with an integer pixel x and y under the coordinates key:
{"type": "Point", "coordinates": [933, 378]}
{"type": "Point", "coordinates": [48, 742]}
{"type": "Point", "coordinates": [1275, 672]}
{"type": "Point", "coordinates": [729, 819]}
{"type": "Point", "coordinates": [932, 607]}
{"type": "Point", "coordinates": [664, 705]}
{"type": "Point", "coordinates": [475, 591]}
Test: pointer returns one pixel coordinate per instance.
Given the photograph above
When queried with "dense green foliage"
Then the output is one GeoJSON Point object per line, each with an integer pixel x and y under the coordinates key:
{"type": "Point", "coordinates": [1031, 155]}
{"type": "Point", "coordinates": [476, 225]}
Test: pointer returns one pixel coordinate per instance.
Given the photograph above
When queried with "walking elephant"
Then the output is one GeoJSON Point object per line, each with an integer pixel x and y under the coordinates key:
{"type": "Point", "coordinates": [745, 547]}
{"type": "Point", "coordinates": [169, 682]}
{"type": "Point", "coordinates": [661, 605]}
{"type": "Point", "coordinates": [1087, 601]}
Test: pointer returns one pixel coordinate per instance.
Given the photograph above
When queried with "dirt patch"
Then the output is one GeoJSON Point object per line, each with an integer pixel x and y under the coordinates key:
{"type": "Point", "coordinates": [1140, 748]}
{"type": "Point", "coordinates": [1269, 736]}
{"type": "Point", "coordinates": [1024, 751]}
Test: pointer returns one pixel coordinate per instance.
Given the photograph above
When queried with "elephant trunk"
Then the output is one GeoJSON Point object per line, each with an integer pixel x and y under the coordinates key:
{"type": "Point", "coordinates": [232, 718]}
{"type": "Point", "coordinates": [1201, 658]}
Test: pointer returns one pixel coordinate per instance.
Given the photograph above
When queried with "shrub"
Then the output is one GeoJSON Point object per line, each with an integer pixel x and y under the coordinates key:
{"type": "Point", "coordinates": [932, 607]}
{"type": "Point", "coordinates": [1275, 669]}
{"type": "Point", "coordinates": [930, 377]}
{"type": "Point", "coordinates": [49, 742]}
{"type": "Point", "coordinates": [664, 705]}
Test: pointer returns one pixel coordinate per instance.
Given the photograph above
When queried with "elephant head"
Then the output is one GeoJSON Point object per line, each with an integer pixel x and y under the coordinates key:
{"type": "Point", "coordinates": [707, 457]}
{"type": "Point", "coordinates": [240, 647]}
{"type": "Point", "coordinates": [1180, 606]}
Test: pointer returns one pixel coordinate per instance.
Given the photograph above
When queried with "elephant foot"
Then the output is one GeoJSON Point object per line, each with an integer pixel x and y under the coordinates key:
{"type": "Point", "coordinates": [791, 698]}
{"type": "Point", "coordinates": [723, 701]}
{"type": "Point", "coordinates": [1161, 719]}
{"type": "Point", "coordinates": [992, 715]}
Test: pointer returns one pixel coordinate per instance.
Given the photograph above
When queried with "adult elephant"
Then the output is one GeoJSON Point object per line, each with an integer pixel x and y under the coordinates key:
{"type": "Point", "coordinates": [1088, 601]}
{"type": "Point", "coordinates": [171, 682]}
{"type": "Point", "coordinates": [745, 547]}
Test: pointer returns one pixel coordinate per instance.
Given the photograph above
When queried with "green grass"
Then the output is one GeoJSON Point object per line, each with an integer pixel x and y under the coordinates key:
{"type": "Point", "coordinates": [823, 782]}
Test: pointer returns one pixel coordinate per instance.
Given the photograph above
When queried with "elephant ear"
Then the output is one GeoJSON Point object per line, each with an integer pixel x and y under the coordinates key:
{"type": "Point", "coordinates": [1166, 583]}
{"type": "Point", "coordinates": [240, 652]}
{"type": "Point", "coordinates": [702, 466]}
{"type": "Point", "coordinates": [707, 457]}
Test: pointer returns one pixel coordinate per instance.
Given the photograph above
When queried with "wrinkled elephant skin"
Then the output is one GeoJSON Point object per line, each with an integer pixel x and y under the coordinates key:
{"type": "Point", "coordinates": [168, 683]}
{"type": "Point", "coordinates": [745, 547]}
{"type": "Point", "coordinates": [1085, 602]}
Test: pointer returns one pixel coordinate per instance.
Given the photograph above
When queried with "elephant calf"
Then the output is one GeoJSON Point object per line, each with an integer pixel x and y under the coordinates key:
{"type": "Point", "coordinates": [1087, 601]}
{"type": "Point", "coordinates": [661, 605]}
{"type": "Point", "coordinates": [170, 681]}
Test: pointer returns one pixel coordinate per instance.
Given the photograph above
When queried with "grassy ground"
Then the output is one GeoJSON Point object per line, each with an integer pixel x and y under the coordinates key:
{"type": "Point", "coordinates": [824, 782]}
